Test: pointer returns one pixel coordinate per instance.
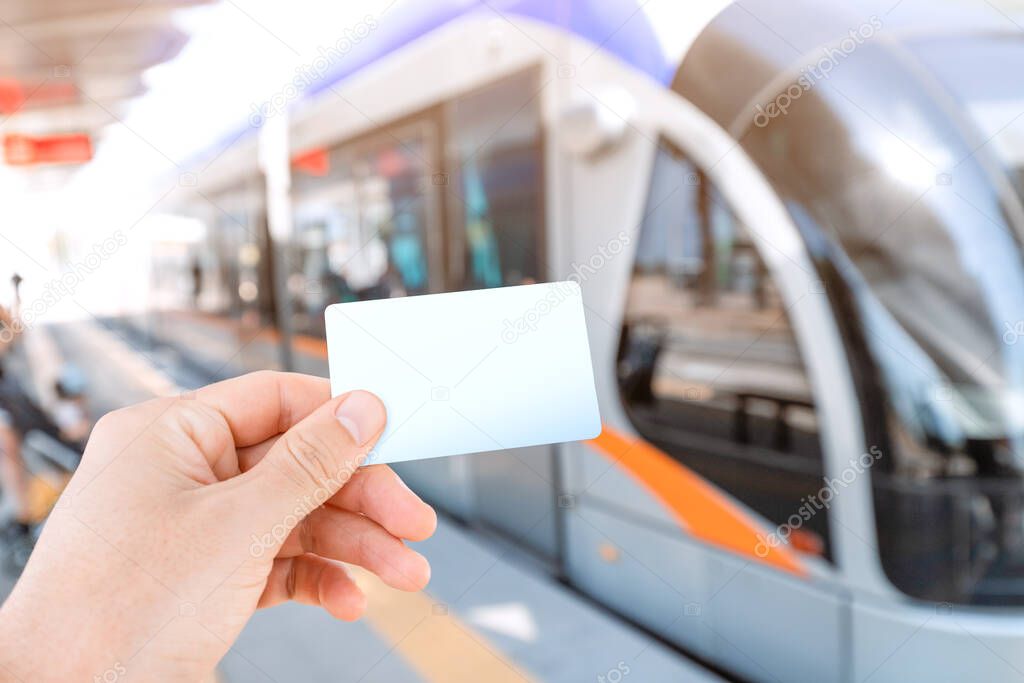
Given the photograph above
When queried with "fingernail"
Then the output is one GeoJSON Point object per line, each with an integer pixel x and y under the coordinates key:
{"type": "Point", "coordinates": [362, 415]}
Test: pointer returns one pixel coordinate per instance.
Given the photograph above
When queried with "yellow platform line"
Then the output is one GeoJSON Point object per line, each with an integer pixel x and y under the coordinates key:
{"type": "Point", "coordinates": [435, 643]}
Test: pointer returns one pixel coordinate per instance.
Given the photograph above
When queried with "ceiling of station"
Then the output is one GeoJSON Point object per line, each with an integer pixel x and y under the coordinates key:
{"type": "Point", "coordinates": [71, 66]}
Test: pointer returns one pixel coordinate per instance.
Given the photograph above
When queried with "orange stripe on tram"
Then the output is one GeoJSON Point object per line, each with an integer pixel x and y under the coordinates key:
{"type": "Point", "coordinates": [698, 506]}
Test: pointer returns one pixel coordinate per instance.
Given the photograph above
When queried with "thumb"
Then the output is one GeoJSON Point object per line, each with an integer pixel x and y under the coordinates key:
{"type": "Point", "coordinates": [309, 463]}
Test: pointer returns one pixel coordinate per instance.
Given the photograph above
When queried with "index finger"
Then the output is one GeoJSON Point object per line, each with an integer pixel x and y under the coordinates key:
{"type": "Point", "coordinates": [263, 404]}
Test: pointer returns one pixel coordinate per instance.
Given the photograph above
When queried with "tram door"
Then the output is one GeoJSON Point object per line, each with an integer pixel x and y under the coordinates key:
{"type": "Point", "coordinates": [495, 210]}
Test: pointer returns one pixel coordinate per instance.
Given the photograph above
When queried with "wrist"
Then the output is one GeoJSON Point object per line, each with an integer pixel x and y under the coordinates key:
{"type": "Point", "coordinates": [13, 649]}
{"type": "Point", "coordinates": [34, 648]}
{"type": "Point", "coordinates": [48, 635]}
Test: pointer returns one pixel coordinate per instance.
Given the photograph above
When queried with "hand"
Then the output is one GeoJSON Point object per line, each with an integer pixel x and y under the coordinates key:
{"type": "Point", "coordinates": [187, 514]}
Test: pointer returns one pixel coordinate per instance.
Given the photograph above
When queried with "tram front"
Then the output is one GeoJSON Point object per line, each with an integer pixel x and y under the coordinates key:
{"type": "Point", "coordinates": [893, 144]}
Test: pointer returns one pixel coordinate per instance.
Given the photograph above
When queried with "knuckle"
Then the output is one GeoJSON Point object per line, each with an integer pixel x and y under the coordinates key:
{"type": "Point", "coordinates": [202, 423]}
{"type": "Point", "coordinates": [310, 456]}
{"type": "Point", "coordinates": [200, 413]}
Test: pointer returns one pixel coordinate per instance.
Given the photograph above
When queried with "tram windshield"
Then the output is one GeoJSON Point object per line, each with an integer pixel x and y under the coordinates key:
{"type": "Point", "coordinates": [915, 226]}
{"type": "Point", "coordinates": [992, 102]}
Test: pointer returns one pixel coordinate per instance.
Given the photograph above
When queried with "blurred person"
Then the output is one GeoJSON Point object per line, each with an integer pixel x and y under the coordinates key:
{"type": "Point", "coordinates": [197, 281]}
{"type": "Point", "coordinates": [16, 281]}
{"type": "Point", "coordinates": [28, 496]}
{"type": "Point", "coordinates": [69, 411]}
{"type": "Point", "coordinates": [11, 470]}
{"type": "Point", "coordinates": [8, 330]}
{"type": "Point", "coordinates": [188, 514]}
{"type": "Point", "coordinates": [364, 268]}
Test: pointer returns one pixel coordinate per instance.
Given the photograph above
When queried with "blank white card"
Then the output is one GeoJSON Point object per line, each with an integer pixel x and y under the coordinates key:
{"type": "Point", "coordinates": [468, 372]}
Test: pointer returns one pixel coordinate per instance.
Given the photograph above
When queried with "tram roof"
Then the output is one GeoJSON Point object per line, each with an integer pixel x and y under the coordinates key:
{"type": "Point", "coordinates": [771, 32]}
{"type": "Point", "coordinates": [618, 26]}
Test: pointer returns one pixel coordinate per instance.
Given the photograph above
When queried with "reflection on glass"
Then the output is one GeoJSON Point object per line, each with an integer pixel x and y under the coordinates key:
{"type": "Point", "coordinates": [991, 100]}
{"type": "Point", "coordinates": [361, 226]}
{"type": "Point", "coordinates": [172, 274]}
{"type": "Point", "coordinates": [709, 367]}
{"type": "Point", "coordinates": [408, 254]}
{"type": "Point", "coordinates": [481, 242]}
{"type": "Point", "coordinates": [495, 145]}
{"type": "Point", "coordinates": [216, 267]}
{"type": "Point", "coordinates": [898, 202]}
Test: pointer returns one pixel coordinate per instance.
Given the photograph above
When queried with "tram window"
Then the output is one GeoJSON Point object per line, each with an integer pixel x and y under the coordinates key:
{"type": "Point", "coordinates": [709, 368]}
{"type": "Point", "coordinates": [241, 287]}
{"type": "Point", "coordinates": [212, 267]}
{"type": "Point", "coordinates": [172, 279]}
{"type": "Point", "coordinates": [227, 241]}
{"type": "Point", "coordinates": [361, 225]}
{"type": "Point", "coordinates": [495, 147]}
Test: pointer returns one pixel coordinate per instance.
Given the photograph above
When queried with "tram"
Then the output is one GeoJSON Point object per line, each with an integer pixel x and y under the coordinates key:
{"type": "Point", "coordinates": [798, 229]}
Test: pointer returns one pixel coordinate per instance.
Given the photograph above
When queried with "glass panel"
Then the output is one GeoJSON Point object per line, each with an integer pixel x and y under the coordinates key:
{"type": "Point", "coordinates": [172, 275]}
{"type": "Point", "coordinates": [992, 101]}
{"type": "Point", "coordinates": [709, 368]}
{"type": "Point", "coordinates": [495, 143]}
{"type": "Point", "coordinates": [218, 266]}
{"type": "Point", "coordinates": [362, 227]}
{"type": "Point", "coordinates": [902, 205]}
{"type": "Point", "coordinates": [245, 270]}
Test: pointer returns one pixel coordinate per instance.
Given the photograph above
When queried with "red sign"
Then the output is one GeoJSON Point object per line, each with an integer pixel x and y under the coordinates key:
{"type": "Point", "coordinates": [16, 95]}
{"type": "Point", "coordinates": [314, 162]}
{"type": "Point", "coordinates": [12, 95]}
{"type": "Point", "coordinates": [70, 148]}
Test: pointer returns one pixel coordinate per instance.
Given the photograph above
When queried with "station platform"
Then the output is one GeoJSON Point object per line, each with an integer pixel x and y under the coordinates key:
{"type": "Point", "coordinates": [489, 613]}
